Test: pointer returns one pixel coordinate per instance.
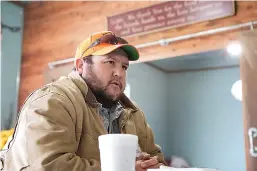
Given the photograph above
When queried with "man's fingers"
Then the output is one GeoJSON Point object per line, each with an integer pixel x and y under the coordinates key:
{"type": "Point", "coordinates": [146, 156]}
{"type": "Point", "coordinates": [151, 162]}
{"type": "Point", "coordinates": [143, 156]}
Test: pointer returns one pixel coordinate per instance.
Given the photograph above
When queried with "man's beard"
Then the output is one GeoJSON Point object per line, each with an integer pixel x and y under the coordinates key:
{"type": "Point", "coordinates": [98, 89]}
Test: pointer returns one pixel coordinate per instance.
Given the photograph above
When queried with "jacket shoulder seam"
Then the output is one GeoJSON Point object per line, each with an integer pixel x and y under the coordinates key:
{"type": "Point", "coordinates": [58, 94]}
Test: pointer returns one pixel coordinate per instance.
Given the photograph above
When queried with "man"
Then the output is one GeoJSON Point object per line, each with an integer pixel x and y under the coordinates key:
{"type": "Point", "coordinates": [59, 124]}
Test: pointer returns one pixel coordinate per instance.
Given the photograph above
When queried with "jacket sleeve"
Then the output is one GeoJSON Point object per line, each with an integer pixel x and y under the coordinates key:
{"type": "Point", "coordinates": [150, 146]}
{"type": "Point", "coordinates": [51, 135]}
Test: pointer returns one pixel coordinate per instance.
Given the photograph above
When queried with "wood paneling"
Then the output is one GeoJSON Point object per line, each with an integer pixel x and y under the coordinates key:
{"type": "Point", "coordinates": [54, 29]}
{"type": "Point", "coordinates": [249, 82]}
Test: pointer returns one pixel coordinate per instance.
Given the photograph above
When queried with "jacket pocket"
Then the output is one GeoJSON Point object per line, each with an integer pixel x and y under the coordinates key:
{"type": "Point", "coordinates": [88, 147]}
{"type": "Point", "coordinates": [93, 136]}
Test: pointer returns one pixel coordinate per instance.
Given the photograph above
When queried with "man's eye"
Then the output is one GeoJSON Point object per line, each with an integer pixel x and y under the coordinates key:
{"type": "Point", "coordinates": [125, 68]}
{"type": "Point", "coordinates": [110, 62]}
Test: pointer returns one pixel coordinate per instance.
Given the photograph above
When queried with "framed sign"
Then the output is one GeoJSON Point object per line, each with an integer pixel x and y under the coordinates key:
{"type": "Point", "coordinates": [168, 15]}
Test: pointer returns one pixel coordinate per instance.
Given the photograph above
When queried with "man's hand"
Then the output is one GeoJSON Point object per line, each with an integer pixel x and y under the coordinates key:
{"type": "Point", "coordinates": [147, 162]}
{"type": "Point", "coordinates": [144, 156]}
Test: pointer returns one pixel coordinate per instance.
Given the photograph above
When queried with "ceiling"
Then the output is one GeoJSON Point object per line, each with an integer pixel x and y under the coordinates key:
{"type": "Point", "coordinates": [204, 60]}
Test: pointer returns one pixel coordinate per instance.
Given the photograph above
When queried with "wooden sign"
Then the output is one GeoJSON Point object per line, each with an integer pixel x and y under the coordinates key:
{"type": "Point", "coordinates": [168, 15]}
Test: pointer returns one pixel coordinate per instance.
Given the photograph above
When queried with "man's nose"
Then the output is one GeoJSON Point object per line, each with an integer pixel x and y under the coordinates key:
{"type": "Point", "coordinates": [119, 72]}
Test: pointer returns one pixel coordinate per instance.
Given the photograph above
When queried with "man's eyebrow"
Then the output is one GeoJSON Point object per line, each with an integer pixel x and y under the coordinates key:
{"type": "Point", "coordinates": [110, 57]}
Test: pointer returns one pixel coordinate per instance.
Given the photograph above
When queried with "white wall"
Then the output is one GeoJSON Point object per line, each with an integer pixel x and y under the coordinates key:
{"type": "Point", "coordinates": [205, 121]}
{"type": "Point", "coordinates": [149, 90]}
{"type": "Point", "coordinates": [193, 114]}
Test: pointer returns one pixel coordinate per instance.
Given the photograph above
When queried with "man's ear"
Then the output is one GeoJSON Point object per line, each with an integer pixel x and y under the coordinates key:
{"type": "Point", "coordinates": [79, 65]}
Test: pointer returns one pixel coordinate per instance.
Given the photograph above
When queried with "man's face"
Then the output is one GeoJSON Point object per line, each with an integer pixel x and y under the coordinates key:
{"type": "Point", "coordinates": [106, 76]}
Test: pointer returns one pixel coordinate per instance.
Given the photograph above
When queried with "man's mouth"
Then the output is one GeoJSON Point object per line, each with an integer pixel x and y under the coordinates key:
{"type": "Point", "coordinates": [116, 83]}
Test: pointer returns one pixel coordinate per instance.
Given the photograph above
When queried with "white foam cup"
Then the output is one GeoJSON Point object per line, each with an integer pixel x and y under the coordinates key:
{"type": "Point", "coordinates": [118, 152]}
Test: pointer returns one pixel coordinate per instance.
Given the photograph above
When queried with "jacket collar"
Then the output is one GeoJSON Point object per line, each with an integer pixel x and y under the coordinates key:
{"type": "Point", "coordinates": [90, 97]}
